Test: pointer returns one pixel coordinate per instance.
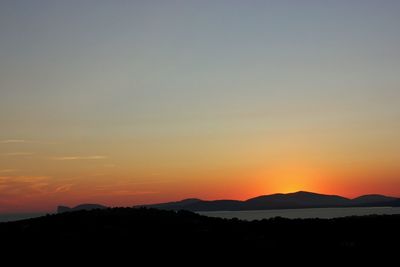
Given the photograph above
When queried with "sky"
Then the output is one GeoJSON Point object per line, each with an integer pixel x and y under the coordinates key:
{"type": "Point", "coordinates": [131, 102]}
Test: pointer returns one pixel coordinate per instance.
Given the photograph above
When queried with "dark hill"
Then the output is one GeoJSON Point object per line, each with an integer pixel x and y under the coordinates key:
{"type": "Point", "coordinates": [366, 199]}
{"type": "Point", "coordinates": [61, 209]}
{"type": "Point", "coordinates": [178, 205]}
{"type": "Point", "coordinates": [153, 235]}
{"type": "Point", "coordinates": [299, 199]}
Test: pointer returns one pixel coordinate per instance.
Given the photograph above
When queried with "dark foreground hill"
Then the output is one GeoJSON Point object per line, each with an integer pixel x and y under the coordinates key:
{"type": "Point", "coordinates": [151, 234]}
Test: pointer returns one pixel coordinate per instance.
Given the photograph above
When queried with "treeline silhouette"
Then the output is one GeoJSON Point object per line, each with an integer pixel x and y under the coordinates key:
{"type": "Point", "coordinates": [136, 232]}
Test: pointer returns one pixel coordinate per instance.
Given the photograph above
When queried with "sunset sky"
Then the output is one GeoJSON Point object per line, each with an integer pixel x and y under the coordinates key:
{"type": "Point", "coordinates": [131, 102]}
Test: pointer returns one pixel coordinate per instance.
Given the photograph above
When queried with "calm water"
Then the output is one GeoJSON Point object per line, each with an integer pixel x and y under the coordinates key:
{"type": "Point", "coordinates": [19, 216]}
{"type": "Point", "coordinates": [325, 213]}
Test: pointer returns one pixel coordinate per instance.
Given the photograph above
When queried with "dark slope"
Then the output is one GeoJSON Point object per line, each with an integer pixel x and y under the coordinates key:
{"type": "Point", "coordinates": [176, 205]}
{"type": "Point", "coordinates": [154, 235]}
{"type": "Point", "coordinates": [61, 209]}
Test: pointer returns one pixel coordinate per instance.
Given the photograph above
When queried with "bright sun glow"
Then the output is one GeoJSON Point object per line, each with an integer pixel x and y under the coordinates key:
{"type": "Point", "coordinates": [293, 178]}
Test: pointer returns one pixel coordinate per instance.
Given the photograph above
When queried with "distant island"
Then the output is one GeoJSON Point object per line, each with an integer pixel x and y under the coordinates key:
{"type": "Point", "coordinates": [297, 200]}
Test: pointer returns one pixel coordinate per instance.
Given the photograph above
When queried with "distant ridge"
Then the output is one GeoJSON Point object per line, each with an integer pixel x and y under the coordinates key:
{"type": "Point", "coordinates": [62, 209]}
{"type": "Point", "coordinates": [372, 199]}
{"type": "Point", "coordinates": [296, 200]}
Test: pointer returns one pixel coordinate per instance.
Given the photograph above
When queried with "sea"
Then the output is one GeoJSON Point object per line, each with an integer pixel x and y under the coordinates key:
{"type": "Point", "coordinates": [322, 213]}
{"type": "Point", "coordinates": [9, 217]}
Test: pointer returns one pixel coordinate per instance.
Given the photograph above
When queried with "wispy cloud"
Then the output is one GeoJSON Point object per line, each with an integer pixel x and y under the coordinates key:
{"type": "Point", "coordinates": [29, 186]}
{"type": "Point", "coordinates": [14, 141]}
{"type": "Point", "coordinates": [23, 141]}
{"type": "Point", "coordinates": [23, 185]}
{"type": "Point", "coordinates": [8, 170]}
{"type": "Point", "coordinates": [96, 157]}
{"type": "Point", "coordinates": [63, 188]}
{"type": "Point", "coordinates": [12, 154]}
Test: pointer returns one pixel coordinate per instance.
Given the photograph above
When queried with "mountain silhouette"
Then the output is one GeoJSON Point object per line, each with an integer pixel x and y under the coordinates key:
{"type": "Point", "coordinates": [62, 209]}
{"type": "Point", "coordinates": [297, 200]}
{"type": "Point", "coordinates": [372, 199]}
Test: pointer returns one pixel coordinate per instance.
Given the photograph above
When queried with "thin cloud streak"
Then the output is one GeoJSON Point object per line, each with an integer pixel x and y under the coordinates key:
{"type": "Point", "coordinates": [12, 154]}
{"type": "Point", "coordinates": [8, 170]}
{"type": "Point", "coordinates": [67, 158]}
{"type": "Point", "coordinates": [63, 188]}
{"type": "Point", "coordinates": [14, 141]}
{"type": "Point", "coordinates": [30, 186]}
{"type": "Point", "coordinates": [23, 185]}
{"type": "Point", "coordinates": [24, 141]}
